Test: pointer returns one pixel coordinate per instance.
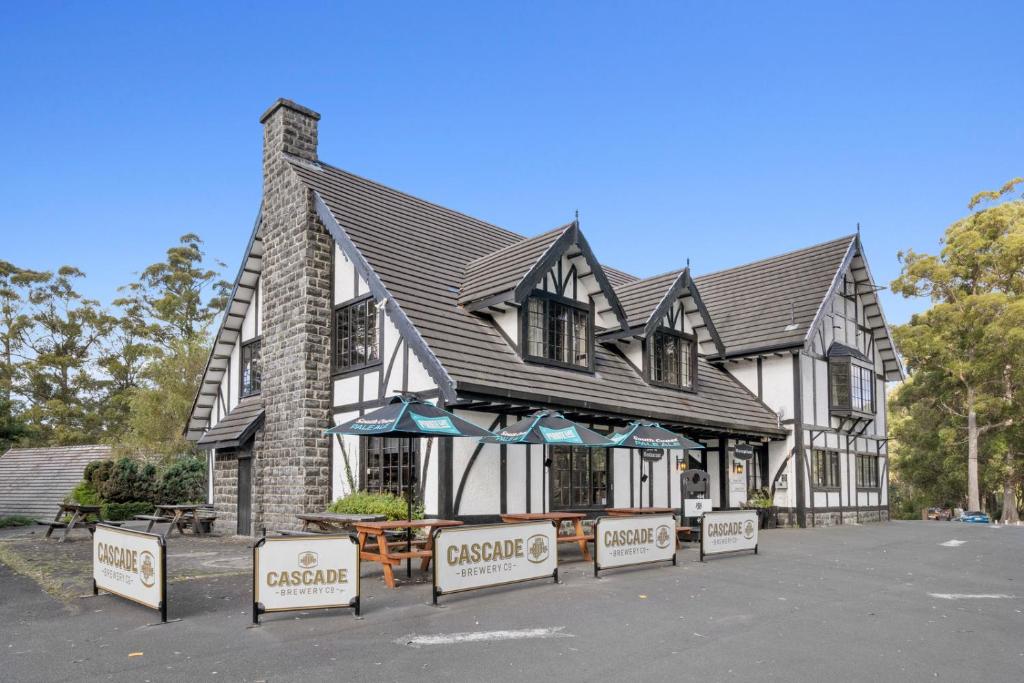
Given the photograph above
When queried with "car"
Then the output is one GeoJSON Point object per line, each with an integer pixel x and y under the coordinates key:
{"type": "Point", "coordinates": [940, 514]}
{"type": "Point", "coordinates": [975, 517]}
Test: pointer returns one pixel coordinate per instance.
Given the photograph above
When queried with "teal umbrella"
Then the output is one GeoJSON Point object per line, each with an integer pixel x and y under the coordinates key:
{"type": "Point", "coordinates": [645, 435]}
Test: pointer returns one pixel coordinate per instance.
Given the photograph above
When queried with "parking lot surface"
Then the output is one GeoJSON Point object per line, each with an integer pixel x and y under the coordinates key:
{"type": "Point", "coordinates": [903, 601]}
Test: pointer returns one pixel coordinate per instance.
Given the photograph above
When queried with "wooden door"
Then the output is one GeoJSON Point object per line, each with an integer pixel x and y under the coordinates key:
{"type": "Point", "coordinates": [244, 493]}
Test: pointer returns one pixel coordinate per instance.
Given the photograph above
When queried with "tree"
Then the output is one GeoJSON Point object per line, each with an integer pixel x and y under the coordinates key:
{"type": "Point", "coordinates": [957, 349]}
{"type": "Point", "coordinates": [15, 321]}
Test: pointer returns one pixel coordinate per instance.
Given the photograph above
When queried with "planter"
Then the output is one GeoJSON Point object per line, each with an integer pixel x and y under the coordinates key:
{"type": "Point", "coordinates": [771, 518]}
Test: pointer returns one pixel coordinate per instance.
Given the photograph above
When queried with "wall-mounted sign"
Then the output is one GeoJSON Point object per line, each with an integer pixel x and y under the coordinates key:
{"type": "Point", "coordinates": [743, 451]}
{"type": "Point", "coordinates": [728, 531]}
{"type": "Point", "coordinates": [696, 507]}
{"type": "Point", "coordinates": [132, 565]}
{"type": "Point", "coordinates": [652, 454]}
{"type": "Point", "coordinates": [626, 541]}
{"type": "Point", "coordinates": [304, 572]}
{"type": "Point", "coordinates": [471, 557]}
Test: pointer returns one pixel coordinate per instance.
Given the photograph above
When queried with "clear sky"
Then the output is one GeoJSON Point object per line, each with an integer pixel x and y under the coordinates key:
{"type": "Point", "coordinates": [719, 132]}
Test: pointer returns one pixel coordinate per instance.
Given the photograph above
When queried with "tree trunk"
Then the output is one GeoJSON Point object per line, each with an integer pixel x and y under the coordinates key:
{"type": "Point", "coordinates": [973, 499]}
{"type": "Point", "coordinates": [1010, 514]}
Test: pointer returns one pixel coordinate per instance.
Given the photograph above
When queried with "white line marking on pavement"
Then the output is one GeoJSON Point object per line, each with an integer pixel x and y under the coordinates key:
{"type": "Point", "coordinates": [953, 543]}
{"type": "Point", "coordinates": [974, 596]}
{"type": "Point", "coordinates": [484, 636]}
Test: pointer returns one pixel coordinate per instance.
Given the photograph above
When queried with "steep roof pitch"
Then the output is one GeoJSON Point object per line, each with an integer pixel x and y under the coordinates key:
{"type": "Point", "coordinates": [420, 252]}
{"type": "Point", "coordinates": [503, 269]}
{"type": "Point", "coordinates": [772, 303]}
{"type": "Point", "coordinates": [34, 481]}
{"type": "Point", "coordinates": [235, 428]}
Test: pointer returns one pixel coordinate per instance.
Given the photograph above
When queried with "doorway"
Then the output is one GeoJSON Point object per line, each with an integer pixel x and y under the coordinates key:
{"type": "Point", "coordinates": [244, 493]}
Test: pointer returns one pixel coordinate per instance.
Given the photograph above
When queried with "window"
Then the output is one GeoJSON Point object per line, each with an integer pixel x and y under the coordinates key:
{"type": "Point", "coordinates": [579, 477]}
{"type": "Point", "coordinates": [756, 468]}
{"type": "Point", "coordinates": [852, 386]}
{"type": "Point", "coordinates": [826, 469]}
{"type": "Point", "coordinates": [386, 463]}
{"type": "Point", "coordinates": [671, 360]}
{"type": "Point", "coordinates": [558, 331]}
{"type": "Point", "coordinates": [867, 471]}
{"type": "Point", "coordinates": [356, 340]}
{"type": "Point", "coordinates": [251, 374]}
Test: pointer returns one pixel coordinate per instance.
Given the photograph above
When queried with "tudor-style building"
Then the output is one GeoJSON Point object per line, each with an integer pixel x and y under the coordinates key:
{"type": "Point", "coordinates": [350, 291]}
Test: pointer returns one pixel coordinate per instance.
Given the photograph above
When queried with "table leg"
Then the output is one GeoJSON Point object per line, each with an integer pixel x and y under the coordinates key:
{"type": "Point", "coordinates": [56, 519]}
{"type": "Point", "coordinates": [425, 562]}
{"type": "Point", "coordinates": [389, 573]}
{"type": "Point", "coordinates": [69, 527]}
{"type": "Point", "coordinates": [583, 542]}
{"type": "Point", "coordinates": [197, 528]}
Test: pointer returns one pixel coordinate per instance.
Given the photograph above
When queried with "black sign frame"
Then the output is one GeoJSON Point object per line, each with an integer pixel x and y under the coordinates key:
{"type": "Point", "coordinates": [598, 568]}
{"type": "Point", "coordinates": [162, 542]}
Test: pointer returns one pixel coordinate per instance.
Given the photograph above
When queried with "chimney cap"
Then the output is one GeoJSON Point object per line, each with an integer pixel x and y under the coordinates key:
{"type": "Point", "coordinates": [294, 106]}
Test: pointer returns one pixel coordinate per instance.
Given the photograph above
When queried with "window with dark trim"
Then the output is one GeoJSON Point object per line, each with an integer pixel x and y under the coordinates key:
{"type": "Point", "coordinates": [825, 469]}
{"type": "Point", "coordinates": [386, 464]}
{"type": "Point", "coordinates": [867, 471]}
{"type": "Point", "coordinates": [250, 375]}
{"type": "Point", "coordinates": [757, 467]}
{"type": "Point", "coordinates": [852, 386]}
{"type": "Point", "coordinates": [558, 331]}
{"type": "Point", "coordinates": [356, 337]}
{"type": "Point", "coordinates": [671, 360]}
{"type": "Point", "coordinates": [579, 477]}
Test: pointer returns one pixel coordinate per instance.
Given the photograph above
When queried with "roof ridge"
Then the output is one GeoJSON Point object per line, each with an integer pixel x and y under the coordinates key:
{"type": "Point", "coordinates": [642, 280]}
{"type": "Point", "coordinates": [791, 252]}
{"type": "Point", "coordinates": [491, 254]}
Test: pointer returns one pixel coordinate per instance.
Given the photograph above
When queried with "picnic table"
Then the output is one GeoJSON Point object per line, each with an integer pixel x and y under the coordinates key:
{"type": "Point", "coordinates": [80, 519]}
{"type": "Point", "coordinates": [375, 546]}
{"type": "Point", "coordinates": [333, 522]}
{"type": "Point", "coordinates": [629, 512]}
{"type": "Point", "coordinates": [578, 536]}
{"type": "Point", "coordinates": [178, 516]}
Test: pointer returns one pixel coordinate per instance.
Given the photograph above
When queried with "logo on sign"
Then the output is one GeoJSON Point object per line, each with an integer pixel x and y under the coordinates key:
{"type": "Point", "coordinates": [748, 530]}
{"type": "Point", "coordinates": [564, 435]}
{"type": "Point", "coordinates": [663, 537]}
{"type": "Point", "coordinates": [147, 573]}
{"type": "Point", "coordinates": [538, 549]}
{"type": "Point", "coordinates": [436, 425]}
{"type": "Point", "coordinates": [308, 559]}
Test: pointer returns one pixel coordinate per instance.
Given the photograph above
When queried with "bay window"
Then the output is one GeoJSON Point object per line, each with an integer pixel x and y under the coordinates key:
{"type": "Point", "coordinates": [852, 386]}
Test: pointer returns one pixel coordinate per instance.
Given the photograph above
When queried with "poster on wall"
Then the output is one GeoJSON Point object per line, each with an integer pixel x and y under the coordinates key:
{"type": "Point", "coordinates": [304, 572]}
{"type": "Point", "coordinates": [695, 507]}
{"type": "Point", "coordinates": [728, 531]}
{"type": "Point", "coordinates": [132, 565]}
{"type": "Point", "coordinates": [471, 557]}
{"type": "Point", "coordinates": [628, 541]}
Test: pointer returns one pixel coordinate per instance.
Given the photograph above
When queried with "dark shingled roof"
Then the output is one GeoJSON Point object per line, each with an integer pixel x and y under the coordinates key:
{"type": "Point", "coordinates": [235, 428]}
{"type": "Point", "coordinates": [420, 252]}
{"type": "Point", "coordinates": [771, 303]}
{"type": "Point", "coordinates": [640, 297]}
{"type": "Point", "coordinates": [501, 270]}
{"type": "Point", "coordinates": [34, 481]}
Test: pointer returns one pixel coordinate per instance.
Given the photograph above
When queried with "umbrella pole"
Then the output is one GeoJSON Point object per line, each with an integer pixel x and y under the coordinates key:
{"type": "Point", "coordinates": [408, 509]}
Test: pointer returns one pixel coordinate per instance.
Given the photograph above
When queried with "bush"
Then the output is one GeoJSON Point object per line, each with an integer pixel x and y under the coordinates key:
{"type": "Point", "coordinates": [15, 520]}
{"type": "Point", "coordinates": [97, 472]}
{"type": "Point", "coordinates": [184, 481]}
{"type": "Point", "coordinates": [128, 482]}
{"type": "Point", "coordinates": [85, 494]}
{"type": "Point", "coordinates": [116, 512]}
{"type": "Point", "coordinates": [364, 503]}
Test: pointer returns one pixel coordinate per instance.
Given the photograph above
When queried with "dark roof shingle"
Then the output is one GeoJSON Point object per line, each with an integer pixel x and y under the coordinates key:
{"type": "Point", "coordinates": [235, 428]}
{"type": "Point", "coordinates": [34, 481]}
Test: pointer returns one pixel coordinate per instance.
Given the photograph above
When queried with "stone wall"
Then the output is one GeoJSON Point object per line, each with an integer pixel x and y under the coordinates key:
{"type": "Point", "coordinates": [225, 493]}
{"type": "Point", "coordinates": [787, 517]}
{"type": "Point", "coordinates": [292, 460]}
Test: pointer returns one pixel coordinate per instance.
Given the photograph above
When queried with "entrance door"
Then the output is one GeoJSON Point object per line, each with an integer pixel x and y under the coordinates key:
{"type": "Point", "coordinates": [244, 493]}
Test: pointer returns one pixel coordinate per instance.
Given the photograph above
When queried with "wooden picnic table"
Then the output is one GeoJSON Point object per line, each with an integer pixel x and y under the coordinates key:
{"type": "Point", "coordinates": [177, 516]}
{"type": "Point", "coordinates": [80, 515]}
{"type": "Point", "coordinates": [628, 512]}
{"type": "Point", "coordinates": [374, 544]}
{"type": "Point", "coordinates": [332, 522]}
{"type": "Point", "coordinates": [578, 536]}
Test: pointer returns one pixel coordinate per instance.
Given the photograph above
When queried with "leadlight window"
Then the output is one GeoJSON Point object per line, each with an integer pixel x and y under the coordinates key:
{"type": "Point", "coordinates": [558, 332]}
{"type": "Point", "coordinates": [251, 373]}
{"type": "Point", "coordinates": [356, 338]}
{"type": "Point", "coordinates": [867, 471]}
{"type": "Point", "coordinates": [387, 464]}
{"type": "Point", "coordinates": [756, 468]}
{"type": "Point", "coordinates": [852, 386]}
{"type": "Point", "coordinates": [671, 359]}
{"type": "Point", "coordinates": [579, 477]}
{"type": "Point", "coordinates": [825, 470]}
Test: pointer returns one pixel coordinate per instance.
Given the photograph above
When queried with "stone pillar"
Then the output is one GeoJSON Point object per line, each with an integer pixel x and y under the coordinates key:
{"type": "Point", "coordinates": [292, 456]}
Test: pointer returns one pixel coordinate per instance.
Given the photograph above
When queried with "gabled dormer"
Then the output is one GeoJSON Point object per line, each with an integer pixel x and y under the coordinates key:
{"type": "Point", "coordinates": [667, 328]}
{"type": "Point", "coordinates": [548, 295]}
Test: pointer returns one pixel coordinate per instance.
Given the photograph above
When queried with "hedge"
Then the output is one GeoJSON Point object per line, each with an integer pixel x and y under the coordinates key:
{"type": "Point", "coordinates": [365, 503]}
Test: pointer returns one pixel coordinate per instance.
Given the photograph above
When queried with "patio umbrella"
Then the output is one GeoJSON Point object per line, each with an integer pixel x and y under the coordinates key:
{"type": "Point", "coordinates": [408, 416]}
{"type": "Point", "coordinates": [642, 435]}
{"type": "Point", "coordinates": [548, 427]}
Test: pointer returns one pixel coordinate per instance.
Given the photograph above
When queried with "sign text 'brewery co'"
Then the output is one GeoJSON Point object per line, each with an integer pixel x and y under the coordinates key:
{"type": "Point", "coordinates": [627, 541]}
{"type": "Point", "coordinates": [471, 557]}
{"type": "Point", "coordinates": [132, 565]}
{"type": "Point", "coordinates": [302, 572]}
{"type": "Point", "coordinates": [728, 531]}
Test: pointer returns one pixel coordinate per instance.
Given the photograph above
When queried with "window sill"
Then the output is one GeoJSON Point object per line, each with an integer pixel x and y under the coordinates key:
{"type": "Point", "coordinates": [242, 395]}
{"type": "Point", "coordinates": [356, 370]}
{"type": "Point", "coordinates": [827, 489]}
{"type": "Point", "coordinates": [674, 387]}
{"type": "Point", "coordinates": [869, 489]}
{"type": "Point", "coordinates": [537, 360]}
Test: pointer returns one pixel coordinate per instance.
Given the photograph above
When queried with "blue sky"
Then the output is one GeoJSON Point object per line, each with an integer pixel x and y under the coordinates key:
{"type": "Point", "coordinates": [719, 132]}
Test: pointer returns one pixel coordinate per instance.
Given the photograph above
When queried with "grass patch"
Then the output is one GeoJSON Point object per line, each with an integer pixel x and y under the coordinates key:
{"type": "Point", "coordinates": [15, 520]}
{"type": "Point", "coordinates": [43, 575]}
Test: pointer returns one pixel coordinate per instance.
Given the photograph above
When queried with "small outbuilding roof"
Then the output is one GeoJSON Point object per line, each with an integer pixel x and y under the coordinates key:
{"type": "Point", "coordinates": [236, 427]}
{"type": "Point", "coordinates": [34, 481]}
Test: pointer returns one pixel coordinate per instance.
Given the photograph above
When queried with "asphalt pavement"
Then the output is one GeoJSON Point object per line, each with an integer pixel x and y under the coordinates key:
{"type": "Point", "coordinates": [902, 601]}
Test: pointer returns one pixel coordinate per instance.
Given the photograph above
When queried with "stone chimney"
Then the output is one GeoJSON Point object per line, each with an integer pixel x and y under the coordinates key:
{"type": "Point", "coordinates": [291, 470]}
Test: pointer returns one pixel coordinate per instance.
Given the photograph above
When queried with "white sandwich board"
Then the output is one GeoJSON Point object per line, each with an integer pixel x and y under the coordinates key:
{"type": "Point", "coordinates": [130, 564]}
{"type": "Point", "coordinates": [640, 539]}
{"type": "Point", "coordinates": [304, 572]}
{"type": "Point", "coordinates": [728, 531]}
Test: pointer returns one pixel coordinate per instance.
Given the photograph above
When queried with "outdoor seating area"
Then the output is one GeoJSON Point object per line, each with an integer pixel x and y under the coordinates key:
{"type": "Point", "coordinates": [74, 516]}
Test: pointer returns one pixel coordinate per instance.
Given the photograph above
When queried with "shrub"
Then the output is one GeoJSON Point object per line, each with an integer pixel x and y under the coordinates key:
{"type": "Point", "coordinates": [128, 482]}
{"type": "Point", "coordinates": [184, 481]}
{"type": "Point", "coordinates": [364, 503]}
{"type": "Point", "coordinates": [85, 494]}
{"type": "Point", "coordinates": [116, 512]}
{"type": "Point", "coordinates": [15, 520]}
{"type": "Point", "coordinates": [97, 472]}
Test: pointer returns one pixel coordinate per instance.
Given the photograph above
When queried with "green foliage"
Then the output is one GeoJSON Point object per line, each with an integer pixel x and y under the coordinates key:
{"type": "Point", "coordinates": [364, 503]}
{"type": "Point", "coordinates": [15, 520]}
{"type": "Point", "coordinates": [129, 481]}
{"type": "Point", "coordinates": [184, 481]}
{"type": "Point", "coordinates": [85, 494]}
{"type": "Point", "coordinates": [117, 512]}
{"type": "Point", "coordinates": [759, 498]}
